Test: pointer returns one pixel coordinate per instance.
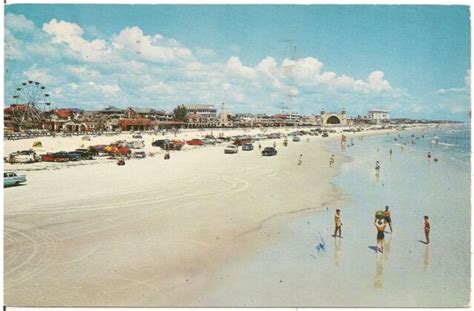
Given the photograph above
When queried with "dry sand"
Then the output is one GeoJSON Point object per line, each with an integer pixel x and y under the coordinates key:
{"type": "Point", "coordinates": [153, 232]}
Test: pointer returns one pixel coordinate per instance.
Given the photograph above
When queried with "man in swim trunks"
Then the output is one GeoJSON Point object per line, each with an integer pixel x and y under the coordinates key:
{"type": "Point", "coordinates": [380, 225]}
{"type": "Point", "coordinates": [427, 230]}
{"type": "Point", "coordinates": [387, 218]}
{"type": "Point", "coordinates": [338, 223]}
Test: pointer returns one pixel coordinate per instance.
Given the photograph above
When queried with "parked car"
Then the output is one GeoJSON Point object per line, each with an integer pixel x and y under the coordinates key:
{"type": "Point", "coordinates": [86, 154]}
{"type": "Point", "coordinates": [194, 141]}
{"type": "Point", "coordinates": [247, 147]}
{"type": "Point", "coordinates": [231, 149]}
{"type": "Point", "coordinates": [139, 154]}
{"type": "Point", "coordinates": [24, 156]}
{"type": "Point", "coordinates": [61, 156]}
{"type": "Point", "coordinates": [296, 138]}
{"type": "Point", "coordinates": [160, 142]}
{"type": "Point", "coordinates": [325, 134]}
{"type": "Point", "coordinates": [269, 151]}
{"type": "Point", "coordinates": [74, 156]}
{"type": "Point", "coordinates": [12, 179]}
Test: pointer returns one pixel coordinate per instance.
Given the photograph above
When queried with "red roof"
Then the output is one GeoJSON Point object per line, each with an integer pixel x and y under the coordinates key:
{"type": "Point", "coordinates": [63, 113]}
{"type": "Point", "coordinates": [12, 108]}
{"type": "Point", "coordinates": [280, 116]}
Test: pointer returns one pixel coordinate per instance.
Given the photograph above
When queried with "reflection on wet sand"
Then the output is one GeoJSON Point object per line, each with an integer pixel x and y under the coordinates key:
{"type": "Point", "coordinates": [378, 280]}
{"type": "Point", "coordinates": [426, 260]}
{"type": "Point", "coordinates": [386, 247]}
{"type": "Point", "coordinates": [337, 251]}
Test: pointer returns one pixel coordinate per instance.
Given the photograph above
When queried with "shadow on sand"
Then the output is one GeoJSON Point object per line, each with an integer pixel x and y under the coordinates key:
{"type": "Point", "coordinates": [423, 242]}
{"type": "Point", "coordinates": [374, 248]}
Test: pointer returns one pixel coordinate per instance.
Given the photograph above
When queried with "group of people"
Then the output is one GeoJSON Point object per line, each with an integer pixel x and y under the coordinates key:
{"type": "Point", "coordinates": [380, 224]}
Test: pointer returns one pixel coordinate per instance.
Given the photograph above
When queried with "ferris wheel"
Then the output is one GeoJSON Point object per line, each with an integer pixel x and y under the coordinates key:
{"type": "Point", "coordinates": [31, 100]}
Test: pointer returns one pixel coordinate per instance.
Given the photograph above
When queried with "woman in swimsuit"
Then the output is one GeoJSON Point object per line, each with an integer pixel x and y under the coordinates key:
{"type": "Point", "coordinates": [380, 225]}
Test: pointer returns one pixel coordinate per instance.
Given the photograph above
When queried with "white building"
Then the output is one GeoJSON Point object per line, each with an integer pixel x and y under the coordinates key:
{"type": "Point", "coordinates": [202, 110]}
{"type": "Point", "coordinates": [378, 115]}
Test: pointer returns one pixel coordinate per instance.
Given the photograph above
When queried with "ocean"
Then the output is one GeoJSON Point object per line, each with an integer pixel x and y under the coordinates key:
{"type": "Point", "coordinates": [312, 268]}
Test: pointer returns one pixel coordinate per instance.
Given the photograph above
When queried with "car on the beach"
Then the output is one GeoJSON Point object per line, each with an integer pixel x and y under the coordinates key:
{"type": "Point", "coordinates": [296, 138]}
{"type": "Point", "coordinates": [139, 154]}
{"type": "Point", "coordinates": [247, 147]}
{"type": "Point", "coordinates": [325, 134]}
{"type": "Point", "coordinates": [195, 142]}
{"type": "Point", "coordinates": [160, 142]}
{"type": "Point", "coordinates": [12, 179]}
{"type": "Point", "coordinates": [269, 151]}
{"type": "Point", "coordinates": [86, 154]}
{"type": "Point", "coordinates": [24, 156]}
{"type": "Point", "coordinates": [231, 149]}
{"type": "Point", "coordinates": [74, 156]}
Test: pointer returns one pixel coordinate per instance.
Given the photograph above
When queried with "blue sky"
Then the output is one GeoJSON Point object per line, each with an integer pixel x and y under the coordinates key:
{"type": "Point", "coordinates": [411, 60]}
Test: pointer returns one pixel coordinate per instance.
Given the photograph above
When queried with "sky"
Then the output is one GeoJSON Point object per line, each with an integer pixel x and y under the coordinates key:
{"type": "Point", "coordinates": [413, 61]}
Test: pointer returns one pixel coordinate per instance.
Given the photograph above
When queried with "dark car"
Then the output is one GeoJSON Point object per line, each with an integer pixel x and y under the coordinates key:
{"type": "Point", "coordinates": [247, 147]}
{"type": "Point", "coordinates": [325, 134]}
{"type": "Point", "coordinates": [269, 151]}
{"type": "Point", "coordinates": [61, 156]}
{"type": "Point", "coordinates": [85, 154]}
{"type": "Point", "coordinates": [74, 156]}
{"type": "Point", "coordinates": [160, 142]}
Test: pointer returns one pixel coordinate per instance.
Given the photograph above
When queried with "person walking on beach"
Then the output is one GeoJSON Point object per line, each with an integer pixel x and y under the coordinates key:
{"type": "Point", "coordinates": [388, 218]}
{"type": "Point", "coordinates": [274, 144]}
{"type": "Point", "coordinates": [380, 225]}
{"type": "Point", "coordinates": [338, 223]}
{"type": "Point", "coordinates": [429, 155]}
{"type": "Point", "coordinates": [300, 159]}
{"type": "Point", "coordinates": [377, 167]}
{"type": "Point", "coordinates": [390, 151]}
{"type": "Point", "coordinates": [331, 161]}
{"type": "Point", "coordinates": [427, 229]}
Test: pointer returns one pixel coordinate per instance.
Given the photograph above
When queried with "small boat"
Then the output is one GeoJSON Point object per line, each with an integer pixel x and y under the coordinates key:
{"type": "Point", "coordinates": [12, 179]}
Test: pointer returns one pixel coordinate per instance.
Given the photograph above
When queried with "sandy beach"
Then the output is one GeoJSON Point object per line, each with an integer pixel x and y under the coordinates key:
{"type": "Point", "coordinates": [212, 229]}
{"type": "Point", "coordinates": [151, 233]}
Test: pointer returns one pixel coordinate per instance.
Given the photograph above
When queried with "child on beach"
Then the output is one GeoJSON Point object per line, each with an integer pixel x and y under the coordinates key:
{"type": "Point", "coordinates": [338, 223]}
{"type": "Point", "coordinates": [427, 229]}
{"type": "Point", "coordinates": [380, 225]}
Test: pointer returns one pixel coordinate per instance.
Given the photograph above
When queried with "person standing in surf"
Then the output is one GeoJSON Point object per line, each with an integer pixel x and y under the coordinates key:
{"type": "Point", "coordinates": [427, 229]}
{"type": "Point", "coordinates": [338, 223]}
{"type": "Point", "coordinates": [388, 217]}
{"type": "Point", "coordinates": [380, 225]}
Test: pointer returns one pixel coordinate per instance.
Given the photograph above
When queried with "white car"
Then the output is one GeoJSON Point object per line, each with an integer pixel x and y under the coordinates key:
{"type": "Point", "coordinates": [231, 149]}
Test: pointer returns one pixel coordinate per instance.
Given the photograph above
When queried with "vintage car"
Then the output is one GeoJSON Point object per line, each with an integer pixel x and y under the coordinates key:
{"type": "Point", "coordinates": [195, 141]}
{"type": "Point", "coordinates": [247, 147]}
{"type": "Point", "coordinates": [269, 151]}
{"type": "Point", "coordinates": [231, 149]}
{"type": "Point", "coordinates": [12, 179]}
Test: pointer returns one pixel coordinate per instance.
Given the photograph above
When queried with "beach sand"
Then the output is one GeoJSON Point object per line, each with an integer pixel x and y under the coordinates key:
{"type": "Point", "coordinates": [153, 232]}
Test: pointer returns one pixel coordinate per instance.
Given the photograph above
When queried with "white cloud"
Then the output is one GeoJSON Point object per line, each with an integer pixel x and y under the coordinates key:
{"type": "Point", "coordinates": [71, 35]}
{"type": "Point", "coordinates": [235, 67]}
{"type": "Point", "coordinates": [18, 23]}
{"type": "Point", "coordinates": [151, 48]}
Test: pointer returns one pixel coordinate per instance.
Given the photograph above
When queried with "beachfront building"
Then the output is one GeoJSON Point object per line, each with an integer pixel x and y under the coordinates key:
{"type": "Point", "coordinates": [333, 118]}
{"type": "Point", "coordinates": [378, 115]}
{"type": "Point", "coordinates": [202, 110]}
{"type": "Point", "coordinates": [112, 112]}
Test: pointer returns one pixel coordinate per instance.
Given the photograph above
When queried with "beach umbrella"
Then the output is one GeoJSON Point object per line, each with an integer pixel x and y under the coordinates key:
{"type": "Point", "coordinates": [37, 144]}
{"type": "Point", "coordinates": [111, 149]}
{"type": "Point", "coordinates": [124, 150]}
